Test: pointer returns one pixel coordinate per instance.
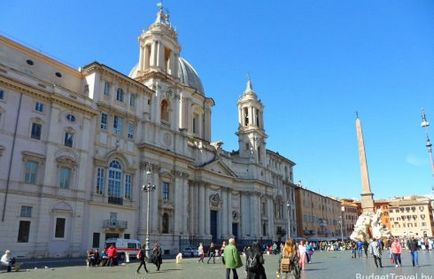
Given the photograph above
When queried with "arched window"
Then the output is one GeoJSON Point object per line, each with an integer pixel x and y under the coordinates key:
{"type": "Point", "coordinates": [115, 179]}
{"type": "Point", "coordinates": [164, 111]}
{"type": "Point", "coordinates": [165, 223]}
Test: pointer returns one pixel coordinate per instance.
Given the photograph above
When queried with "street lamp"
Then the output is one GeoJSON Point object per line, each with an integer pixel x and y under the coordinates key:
{"type": "Point", "coordinates": [342, 222]}
{"type": "Point", "coordinates": [288, 205]}
{"type": "Point", "coordinates": [148, 187]}
{"type": "Point", "coordinates": [425, 124]}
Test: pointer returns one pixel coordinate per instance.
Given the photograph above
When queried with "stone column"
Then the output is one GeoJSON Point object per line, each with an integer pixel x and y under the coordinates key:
{"type": "Point", "coordinates": [207, 210]}
{"type": "Point", "coordinates": [189, 116]}
{"type": "Point", "coordinates": [207, 126]}
{"type": "Point", "coordinates": [160, 57]}
{"type": "Point", "coordinates": [179, 201]}
{"type": "Point", "coordinates": [175, 65]}
{"type": "Point", "coordinates": [229, 210]}
{"type": "Point", "coordinates": [155, 196]}
{"type": "Point", "coordinates": [185, 214]}
{"type": "Point", "coordinates": [246, 220]}
{"type": "Point", "coordinates": [270, 218]}
{"type": "Point", "coordinates": [147, 56]}
{"type": "Point", "coordinates": [154, 54]}
{"type": "Point", "coordinates": [225, 213]}
{"type": "Point", "coordinates": [176, 114]}
{"type": "Point", "coordinates": [141, 55]}
{"type": "Point", "coordinates": [201, 210]}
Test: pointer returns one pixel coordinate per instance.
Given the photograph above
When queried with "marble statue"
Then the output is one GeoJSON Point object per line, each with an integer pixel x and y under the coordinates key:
{"type": "Point", "coordinates": [369, 226]}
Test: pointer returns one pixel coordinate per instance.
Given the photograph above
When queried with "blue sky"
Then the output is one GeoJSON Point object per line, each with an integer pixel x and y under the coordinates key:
{"type": "Point", "coordinates": [313, 64]}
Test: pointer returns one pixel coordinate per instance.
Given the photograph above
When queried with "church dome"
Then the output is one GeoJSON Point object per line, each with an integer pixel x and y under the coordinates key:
{"type": "Point", "coordinates": [188, 75]}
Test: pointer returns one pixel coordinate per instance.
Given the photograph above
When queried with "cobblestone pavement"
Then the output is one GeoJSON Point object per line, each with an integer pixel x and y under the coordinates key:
{"type": "Point", "coordinates": [328, 265]}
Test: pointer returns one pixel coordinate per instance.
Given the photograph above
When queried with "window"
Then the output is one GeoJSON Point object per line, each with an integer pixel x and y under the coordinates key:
{"type": "Point", "coordinates": [104, 119]}
{"type": "Point", "coordinates": [120, 95]}
{"type": "Point", "coordinates": [117, 125]}
{"type": "Point", "coordinates": [114, 180]}
{"type": "Point", "coordinates": [128, 186]}
{"type": "Point", "coordinates": [29, 62]}
{"type": "Point", "coordinates": [164, 111]}
{"type": "Point", "coordinates": [36, 131]}
{"type": "Point", "coordinates": [26, 211]}
{"type": "Point", "coordinates": [59, 75]}
{"type": "Point", "coordinates": [166, 189]}
{"type": "Point", "coordinates": [128, 236]}
{"type": "Point", "coordinates": [69, 139]}
{"type": "Point", "coordinates": [24, 231]}
{"type": "Point", "coordinates": [133, 100]}
{"type": "Point", "coordinates": [195, 123]}
{"type": "Point", "coordinates": [107, 88]}
{"type": "Point", "coordinates": [2, 94]}
{"type": "Point", "coordinates": [100, 181]}
{"type": "Point", "coordinates": [264, 229]}
{"type": "Point", "coordinates": [95, 240]}
{"type": "Point", "coordinates": [64, 178]}
{"type": "Point", "coordinates": [131, 129]}
{"type": "Point", "coordinates": [165, 223]}
{"type": "Point", "coordinates": [60, 228]}
{"type": "Point", "coordinates": [39, 106]}
{"type": "Point", "coordinates": [31, 169]}
{"type": "Point", "coordinates": [70, 118]}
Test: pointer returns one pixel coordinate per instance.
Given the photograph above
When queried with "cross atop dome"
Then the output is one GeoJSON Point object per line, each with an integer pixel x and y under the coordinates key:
{"type": "Point", "coordinates": [162, 15]}
{"type": "Point", "coordinates": [249, 86]}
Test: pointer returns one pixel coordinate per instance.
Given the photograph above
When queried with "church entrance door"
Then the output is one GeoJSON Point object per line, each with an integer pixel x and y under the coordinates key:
{"type": "Point", "coordinates": [213, 224]}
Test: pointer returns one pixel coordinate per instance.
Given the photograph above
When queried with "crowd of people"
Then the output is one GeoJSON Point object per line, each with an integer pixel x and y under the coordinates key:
{"type": "Point", "coordinates": [393, 247]}
{"type": "Point", "coordinates": [293, 255]}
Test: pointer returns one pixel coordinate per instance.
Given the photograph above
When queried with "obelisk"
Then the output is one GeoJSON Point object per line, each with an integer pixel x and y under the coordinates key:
{"type": "Point", "coordinates": [367, 195]}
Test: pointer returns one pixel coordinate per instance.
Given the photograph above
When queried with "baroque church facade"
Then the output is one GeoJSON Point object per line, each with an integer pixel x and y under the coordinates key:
{"type": "Point", "coordinates": [79, 147]}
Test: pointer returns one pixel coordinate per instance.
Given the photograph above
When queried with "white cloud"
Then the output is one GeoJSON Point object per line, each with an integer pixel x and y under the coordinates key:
{"type": "Point", "coordinates": [413, 160]}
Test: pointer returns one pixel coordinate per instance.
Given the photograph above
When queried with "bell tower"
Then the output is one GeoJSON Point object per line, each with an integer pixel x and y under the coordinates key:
{"type": "Point", "coordinates": [159, 48]}
{"type": "Point", "coordinates": [251, 132]}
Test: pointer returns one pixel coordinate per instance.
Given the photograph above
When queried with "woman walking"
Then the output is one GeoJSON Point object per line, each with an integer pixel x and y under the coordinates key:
{"type": "Point", "coordinates": [396, 250]}
{"type": "Point", "coordinates": [157, 256]}
{"type": "Point", "coordinates": [255, 262]}
{"type": "Point", "coordinates": [201, 253]}
{"type": "Point", "coordinates": [142, 256]}
{"type": "Point", "coordinates": [302, 252]}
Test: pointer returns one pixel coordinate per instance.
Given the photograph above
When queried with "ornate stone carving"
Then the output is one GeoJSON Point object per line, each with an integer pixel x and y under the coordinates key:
{"type": "Point", "coordinates": [235, 216]}
{"type": "Point", "coordinates": [215, 200]}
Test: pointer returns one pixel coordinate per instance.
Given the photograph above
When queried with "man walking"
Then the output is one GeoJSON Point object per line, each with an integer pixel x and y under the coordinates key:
{"type": "Point", "coordinates": [231, 259]}
{"type": "Point", "coordinates": [413, 246]}
{"type": "Point", "coordinates": [211, 253]}
{"type": "Point", "coordinates": [375, 250]}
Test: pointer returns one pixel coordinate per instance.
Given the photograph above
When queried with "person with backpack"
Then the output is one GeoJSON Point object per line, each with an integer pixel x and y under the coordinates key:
{"type": "Point", "coordinates": [255, 262]}
{"type": "Point", "coordinates": [141, 256]}
{"type": "Point", "coordinates": [289, 261]}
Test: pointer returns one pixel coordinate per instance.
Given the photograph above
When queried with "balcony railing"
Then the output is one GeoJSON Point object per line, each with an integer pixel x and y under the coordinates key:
{"type": "Point", "coordinates": [116, 200]}
{"type": "Point", "coordinates": [115, 224]}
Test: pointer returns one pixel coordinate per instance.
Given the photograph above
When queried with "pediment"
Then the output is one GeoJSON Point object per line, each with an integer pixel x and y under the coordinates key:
{"type": "Point", "coordinates": [221, 168]}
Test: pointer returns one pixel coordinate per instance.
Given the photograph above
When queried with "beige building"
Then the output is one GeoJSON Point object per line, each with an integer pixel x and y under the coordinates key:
{"type": "Point", "coordinates": [411, 216]}
{"type": "Point", "coordinates": [318, 216]}
{"type": "Point", "coordinates": [76, 146]}
{"type": "Point", "coordinates": [350, 213]}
